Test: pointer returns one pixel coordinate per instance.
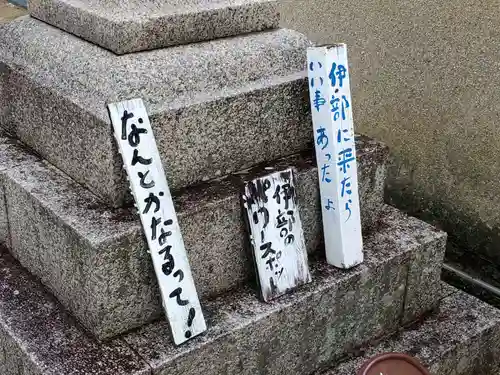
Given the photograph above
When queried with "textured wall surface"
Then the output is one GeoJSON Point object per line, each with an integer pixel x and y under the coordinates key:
{"type": "Point", "coordinates": [425, 80]}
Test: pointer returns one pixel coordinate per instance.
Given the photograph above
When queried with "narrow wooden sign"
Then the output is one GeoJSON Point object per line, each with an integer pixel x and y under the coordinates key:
{"type": "Point", "coordinates": [149, 186]}
{"type": "Point", "coordinates": [331, 108]}
{"type": "Point", "coordinates": [276, 235]}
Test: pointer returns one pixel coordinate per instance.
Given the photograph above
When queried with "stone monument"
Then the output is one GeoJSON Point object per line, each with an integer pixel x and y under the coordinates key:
{"type": "Point", "coordinates": [227, 95]}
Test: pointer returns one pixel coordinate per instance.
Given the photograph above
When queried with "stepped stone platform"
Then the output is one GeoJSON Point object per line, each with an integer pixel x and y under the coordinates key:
{"type": "Point", "coordinates": [339, 310]}
{"type": "Point", "coordinates": [317, 324]}
{"type": "Point", "coordinates": [137, 25]}
{"type": "Point", "coordinates": [462, 339]}
{"type": "Point", "coordinates": [223, 111]}
{"type": "Point", "coordinates": [103, 272]}
{"type": "Point", "coordinates": [37, 336]}
{"type": "Point", "coordinates": [216, 107]}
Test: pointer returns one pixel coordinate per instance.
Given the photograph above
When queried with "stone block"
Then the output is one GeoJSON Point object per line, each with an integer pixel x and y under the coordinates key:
{"type": "Point", "coordinates": [424, 275]}
{"type": "Point", "coordinates": [4, 224]}
{"type": "Point", "coordinates": [215, 107]}
{"type": "Point", "coordinates": [303, 331]}
{"type": "Point", "coordinates": [462, 339]}
{"type": "Point", "coordinates": [94, 259]}
{"type": "Point", "coordinates": [138, 25]}
{"type": "Point", "coordinates": [10, 156]}
{"type": "Point", "coordinates": [4, 94]}
{"type": "Point", "coordinates": [296, 334]}
{"type": "Point", "coordinates": [446, 290]}
{"type": "Point", "coordinates": [38, 337]}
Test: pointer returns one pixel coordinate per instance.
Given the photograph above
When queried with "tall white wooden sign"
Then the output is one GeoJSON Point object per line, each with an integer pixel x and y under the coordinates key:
{"type": "Point", "coordinates": [149, 186]}
{"type": "Point", "coordinates": [276, 234]}
{"type": "Point", "coordinates": [331, 108]}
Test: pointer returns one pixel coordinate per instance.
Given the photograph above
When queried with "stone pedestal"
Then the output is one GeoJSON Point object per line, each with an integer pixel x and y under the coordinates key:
{"type": "Point", "coordinates": [224, 110]}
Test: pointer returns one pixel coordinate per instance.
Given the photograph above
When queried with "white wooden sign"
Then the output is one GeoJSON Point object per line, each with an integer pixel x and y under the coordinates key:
{"type": "Point", "coordinates": [331, 108]}
{"type": "Point", "coordinates": [149, 186]}
{"type": "Point", "coordinates": [276, 235]}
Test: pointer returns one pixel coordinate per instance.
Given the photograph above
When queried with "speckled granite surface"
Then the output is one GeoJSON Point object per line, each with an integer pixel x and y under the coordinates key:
{"type": "Point", "coordinates": [38, 337]}
{"type": "Point", "coordinates": [424, 275]}
{"type": "Point", "coordinates": [308, 329]}
{"type": "Point", "coordinates": [103, 272]}
{"type": "Point", "coordinates": [462, 339]}
{"type": "Point", "coordinates": [10, 156]}
{"type": "Point", "coordinates": [93, 260]}
{"type": "Point", "coordinates": [215, 107]}
{"type": "Point", "coordinates": [297, 333]}
{"type": "Point", "coordinates": [126, 26]}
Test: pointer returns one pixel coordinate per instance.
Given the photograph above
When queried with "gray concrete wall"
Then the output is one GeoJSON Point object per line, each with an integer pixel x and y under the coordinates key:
{"type": "Point", "coordinates": [426, 80]}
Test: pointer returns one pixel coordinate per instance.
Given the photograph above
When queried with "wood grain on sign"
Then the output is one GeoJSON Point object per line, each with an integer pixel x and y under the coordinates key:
{"type": "Point", "coordinates": [331, 108]}
{"type": "Point", "coordinates": [276, 235]}
{"type": "Point", "coordinates": [149, 186]}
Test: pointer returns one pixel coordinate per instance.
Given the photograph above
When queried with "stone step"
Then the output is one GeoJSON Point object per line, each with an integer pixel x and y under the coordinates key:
{"type": "Point", "coordinates": [94, 259]}
{"type": "Point", "coordinates": [138, 25]}
{"type": "Point", "coordinates": [296, 334]}
{"type": "Point", "coordinates": [462, 339]}
{"type": "Point", "coordinates": [216, 107]}
{"type": "Point", "coordinates": [316, 325]}
{"type": "Point", "coordinates": [38, 336]}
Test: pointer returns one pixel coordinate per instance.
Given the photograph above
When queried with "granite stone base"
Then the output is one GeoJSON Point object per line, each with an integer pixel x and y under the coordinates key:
{"type": "Point", "coordinates": [38, 337]}
{"type": "Point", "coordinates": [424, 275]}
{"type": "Point", "coordinates": [462, 339]}
{"type": "Point", "coordinates": [296, 334]}
{"type": "Point", "coordinates": [12, 155]}
{"type": "Point", "coordinates": [473, 244]}
{"type": "Point", "coordinates": [304, 331]}
{"type": "Point", "coordinates": [138, 25]}
{"type": "Point", "coordinates": [215, 107]}
{"type": "Point", "coordinates": [94, 259]}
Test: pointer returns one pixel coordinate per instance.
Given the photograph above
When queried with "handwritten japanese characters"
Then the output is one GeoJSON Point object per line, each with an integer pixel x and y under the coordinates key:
{"type": "Point", "coordinates": [276, 235]}
{"type": "Point", "coordinates": [149, 186]}
{"type": "Point", "coordinates": [330, 94]}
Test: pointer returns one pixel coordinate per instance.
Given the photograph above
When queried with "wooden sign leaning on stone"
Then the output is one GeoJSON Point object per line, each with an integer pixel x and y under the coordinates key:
{"type": "Point", "coordinates": [331, 108]}
{"type": "Point", "coordinates": [275, 231]}
{"type": "Point", "coordinates": [149, 187]}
